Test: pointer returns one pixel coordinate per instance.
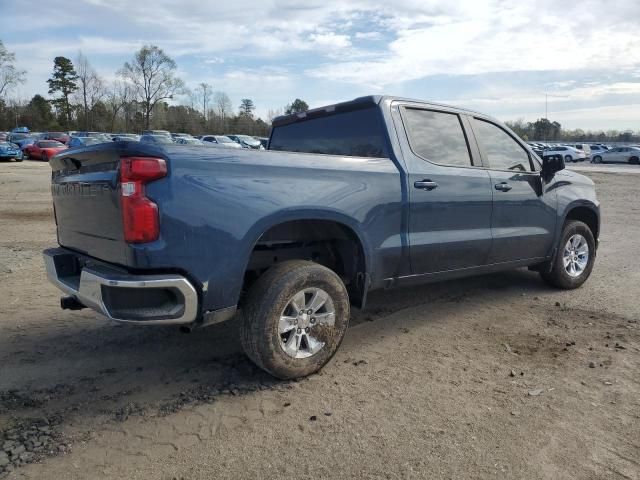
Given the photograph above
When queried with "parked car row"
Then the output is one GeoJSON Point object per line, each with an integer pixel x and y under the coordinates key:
{"type": "Point", "coordinates": [21, 143]}
{"type": "Point", "coordinates": [571, 152]}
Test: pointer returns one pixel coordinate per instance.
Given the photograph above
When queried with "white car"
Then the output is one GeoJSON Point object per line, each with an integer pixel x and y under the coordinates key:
{"type": "Point", "coordinates": [570, 154]}
{"type": "Point", "coordinates": [619, 155]}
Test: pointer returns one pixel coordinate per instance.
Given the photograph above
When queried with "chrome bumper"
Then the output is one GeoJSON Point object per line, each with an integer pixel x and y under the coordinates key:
{"type": "Point", "coordinates": [94, 285]}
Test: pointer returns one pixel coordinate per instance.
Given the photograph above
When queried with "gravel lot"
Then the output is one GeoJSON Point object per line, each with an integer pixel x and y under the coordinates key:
{"type": "Point", "coordinates": [492, 377]}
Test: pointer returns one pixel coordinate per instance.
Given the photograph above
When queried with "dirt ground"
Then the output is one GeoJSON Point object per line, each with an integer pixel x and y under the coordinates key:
{"type": "Point", "coordinates": [491, 377]}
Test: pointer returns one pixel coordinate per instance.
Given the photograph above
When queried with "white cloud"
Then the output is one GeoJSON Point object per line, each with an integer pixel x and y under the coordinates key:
{"type": "Point", "coordinates": [497, 42]}
{"type": "Point", "coordinates": [368, 35]}
{"type": "Point", "coordinates": [330, 40]}
{"type": "Point", "coordinates": [214, 61]}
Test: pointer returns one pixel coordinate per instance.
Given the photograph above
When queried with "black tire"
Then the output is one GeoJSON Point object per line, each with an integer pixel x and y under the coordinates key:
{"type": "Point", "coordinates": [267, 300]}
{"type": "Point", "coordinates": [558, 275]}
{"type": "Point", "coordinates": [634, 161]}
{"type": "Point", "coordinates": [45, 158]}
{"type": "Point", "coordinates": [597, 159]}
{"type": "Point", "coordinates": [568, 158]}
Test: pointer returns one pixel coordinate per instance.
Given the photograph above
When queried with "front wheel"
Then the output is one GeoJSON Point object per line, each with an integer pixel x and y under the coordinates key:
{"type": "Point", "coordinates": [575, 257]}
{"type": "Point", "coordinates": [295, 318]}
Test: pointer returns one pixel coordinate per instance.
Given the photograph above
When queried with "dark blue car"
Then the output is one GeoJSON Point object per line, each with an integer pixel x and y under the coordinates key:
{"type": "Point", "coordinates": [374, 193]}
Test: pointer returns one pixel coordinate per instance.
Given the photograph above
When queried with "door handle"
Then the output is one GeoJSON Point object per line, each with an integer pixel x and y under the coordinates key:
{"type": "Point", "coordinates": [503, 187]}
{"type": "Point", "coordinates": [425, 185]}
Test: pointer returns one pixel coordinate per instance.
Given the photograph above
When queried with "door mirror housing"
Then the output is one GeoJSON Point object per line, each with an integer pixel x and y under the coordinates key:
{"type": "Point", "coordinates": [552, 164]}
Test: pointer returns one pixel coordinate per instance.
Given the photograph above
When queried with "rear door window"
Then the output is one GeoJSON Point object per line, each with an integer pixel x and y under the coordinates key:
{"type": "Point", "coordinates": [500, 149]}
{"type": "Point", "coordinates": [437, 137]}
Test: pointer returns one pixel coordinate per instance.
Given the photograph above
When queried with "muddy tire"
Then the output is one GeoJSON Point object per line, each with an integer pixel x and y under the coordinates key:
{"type": "Point", "coordinates": [574, 259]}
{"type": "Point", "coordinates": [294, 319]}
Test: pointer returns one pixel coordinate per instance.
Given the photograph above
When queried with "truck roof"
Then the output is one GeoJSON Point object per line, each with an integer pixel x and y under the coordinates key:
{"type": "Point", "coordinates": [355, 104]}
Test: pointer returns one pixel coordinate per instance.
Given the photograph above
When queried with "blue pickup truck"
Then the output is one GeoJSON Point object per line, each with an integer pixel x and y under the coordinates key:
{"type": "Point", "coordinates": [373, 193]}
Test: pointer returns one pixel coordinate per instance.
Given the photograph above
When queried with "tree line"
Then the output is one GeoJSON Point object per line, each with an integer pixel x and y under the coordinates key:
{"type": "Point", "coordinates": [147, 94]}
{"type": "Point", "coordinates": [544, 129]}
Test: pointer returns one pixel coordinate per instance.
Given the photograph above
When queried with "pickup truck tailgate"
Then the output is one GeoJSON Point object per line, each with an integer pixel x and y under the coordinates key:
{"type": "Point", "coordinates": [86, 200]}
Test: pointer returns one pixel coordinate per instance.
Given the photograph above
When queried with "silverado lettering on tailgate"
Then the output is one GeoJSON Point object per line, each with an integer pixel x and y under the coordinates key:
{"type": "Point", "coordinates": [79, 189]}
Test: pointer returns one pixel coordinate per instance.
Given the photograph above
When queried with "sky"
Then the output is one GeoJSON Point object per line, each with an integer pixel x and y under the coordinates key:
{"type": "Point", "coordinates": [510, 59]}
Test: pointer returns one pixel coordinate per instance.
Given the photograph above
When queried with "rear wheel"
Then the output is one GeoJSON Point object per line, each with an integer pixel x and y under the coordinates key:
{"type": "Point", "coordinates": [295, 318]}
{"type": "Point", "coordinates": [568, 158]}
{"type": "Point", "coordinates": [575, 257]}
{"type": "Point", "coordinates": [634, 161]}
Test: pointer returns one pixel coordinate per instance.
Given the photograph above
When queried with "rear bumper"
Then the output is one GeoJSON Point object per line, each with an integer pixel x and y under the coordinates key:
{"type": "Point", "coordinates": [118, 295]}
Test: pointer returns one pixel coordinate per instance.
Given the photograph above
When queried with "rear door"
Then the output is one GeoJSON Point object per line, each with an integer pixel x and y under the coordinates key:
{"type": "Point", "coordinates": [524, 213]}
{"type": "Point", "coordinates": [613, 155]}
{"type": "Point", "coordinates": [449, 192]}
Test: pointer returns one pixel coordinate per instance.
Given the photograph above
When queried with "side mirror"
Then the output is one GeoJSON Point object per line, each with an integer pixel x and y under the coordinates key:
{"type": "Point", "coordinates": [552, 164]}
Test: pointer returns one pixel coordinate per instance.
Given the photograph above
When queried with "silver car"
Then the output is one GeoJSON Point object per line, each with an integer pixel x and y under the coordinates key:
{"type": "Point", "coordinates": [219, 141]}
{"type": "Point", "coordinates": [619, 155]}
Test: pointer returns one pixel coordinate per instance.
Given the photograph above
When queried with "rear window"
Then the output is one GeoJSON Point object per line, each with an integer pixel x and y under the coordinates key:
{"type": "Point", "coordinates": [358, 133]}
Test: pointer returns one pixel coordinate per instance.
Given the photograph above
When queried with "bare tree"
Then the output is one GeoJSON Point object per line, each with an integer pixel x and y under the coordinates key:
{"type": "Point", "coordinates": [223, 104]}
{"type": "Point", "coordinates": [10, 76]}
{"type": "Point", "coordinates": [271, 114]}
{"type": "Point", "coordinates": [204, 90]}
{"type": "Point", "coordinates": [90, 88]}
{"type": "Point", "coordinates": [118, 96]}
{"type": "Point", "coordinates": [152, 73]}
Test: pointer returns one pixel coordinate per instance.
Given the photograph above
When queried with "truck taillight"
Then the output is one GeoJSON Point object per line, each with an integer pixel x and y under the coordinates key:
{"type": "Point", "coordinates": [139, 214]}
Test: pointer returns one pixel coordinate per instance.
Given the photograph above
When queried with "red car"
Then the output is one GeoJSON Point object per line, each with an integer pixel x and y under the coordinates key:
{"type": "Point", "coordinates": [43, 149]}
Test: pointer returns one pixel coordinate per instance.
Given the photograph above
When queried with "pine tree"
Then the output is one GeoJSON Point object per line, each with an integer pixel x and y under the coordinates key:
{"type": "Point", "coordinates": [63, 83]}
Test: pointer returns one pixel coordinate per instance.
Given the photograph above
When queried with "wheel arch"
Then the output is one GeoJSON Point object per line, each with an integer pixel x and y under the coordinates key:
{"type": "Point", "coordinates": [587, 213]}
{"type": "Point", "coordinates": [326, 221]}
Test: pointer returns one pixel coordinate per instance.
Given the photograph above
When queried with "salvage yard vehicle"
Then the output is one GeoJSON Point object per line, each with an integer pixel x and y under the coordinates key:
{"type": "Point", "coordinates": [10, 151]}
{"type": "Point", "coordinates": [246, 141]}
{"type": "Point", "coordinates": [43, 149]}
{"type": "Point", "coordinates": [570, 154]}
{"type": "Point", "coordinates": [373, 193]}
{"type": "Point", "coordinates": [619, 155]}
{"type": "Point", "coordinates": [220, 141]}
{"type": "Point", "coordinates": [585, 148]}
{"type": "Point", "coordinates": [75, 142]}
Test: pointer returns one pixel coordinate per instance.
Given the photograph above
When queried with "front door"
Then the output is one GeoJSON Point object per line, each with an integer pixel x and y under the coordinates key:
{"type": "Point", "coordinates": [524, 217]}
{"type": "Point", "coordinates": [450, 198]}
